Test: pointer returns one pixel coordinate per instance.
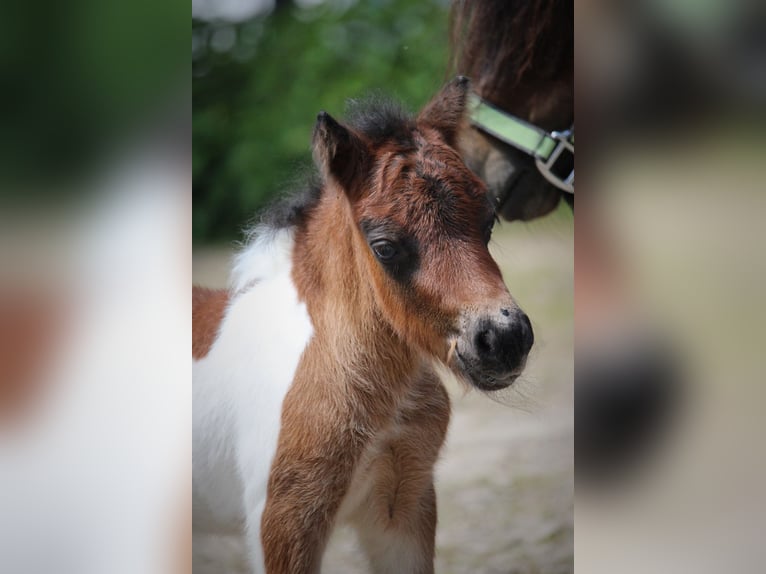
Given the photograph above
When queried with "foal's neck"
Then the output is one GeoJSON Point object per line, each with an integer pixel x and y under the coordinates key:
{"type": "Point", "coordinates": [328, 272]}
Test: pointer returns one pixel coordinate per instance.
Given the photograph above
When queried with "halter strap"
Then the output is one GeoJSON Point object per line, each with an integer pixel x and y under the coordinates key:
{"type": "Point", "coordinates": [546, 147]}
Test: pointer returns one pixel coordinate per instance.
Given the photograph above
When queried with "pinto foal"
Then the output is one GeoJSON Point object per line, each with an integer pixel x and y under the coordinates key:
{"type": "Point", "coordinates": [315, 395]}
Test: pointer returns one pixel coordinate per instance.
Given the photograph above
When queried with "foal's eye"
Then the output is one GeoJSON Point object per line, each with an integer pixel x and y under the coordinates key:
{"type": "Point", "coordinates": [384, 250]}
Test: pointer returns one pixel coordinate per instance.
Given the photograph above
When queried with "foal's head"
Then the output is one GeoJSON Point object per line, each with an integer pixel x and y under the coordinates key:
{"type": "Point", "coordinates": [421, 224]}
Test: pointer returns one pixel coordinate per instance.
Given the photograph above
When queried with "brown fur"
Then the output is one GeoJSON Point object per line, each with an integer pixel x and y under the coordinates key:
{"type": "Point", "coordinates": [208, 309]}
{"type": "Point", "coordinates": [340, 399]}
{"type": "Point", "coordinates": [519, 55]}
{"type": "Point", "coordinates": [402, 498]}
{"type": "Point", "coordinates": [364, 401]}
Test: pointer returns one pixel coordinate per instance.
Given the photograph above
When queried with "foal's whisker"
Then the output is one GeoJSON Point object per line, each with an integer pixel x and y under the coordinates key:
{"type": "Point", "coordinates": [451, 352]}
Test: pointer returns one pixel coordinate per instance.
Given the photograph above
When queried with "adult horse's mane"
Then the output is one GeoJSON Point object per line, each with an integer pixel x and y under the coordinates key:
{"type": "Point", "coordinates": [379, 119]}
{"type": "Point", "coordinates": [501, 44]}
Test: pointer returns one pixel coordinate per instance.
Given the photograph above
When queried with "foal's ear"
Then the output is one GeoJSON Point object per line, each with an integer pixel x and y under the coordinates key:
{"type": "Point", "coordinates": [445, 111]}
{"type": "Point", "coordinates": [338, 152]}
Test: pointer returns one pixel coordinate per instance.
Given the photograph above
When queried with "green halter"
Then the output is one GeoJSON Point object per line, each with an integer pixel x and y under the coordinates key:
{"type": "Point", "coordinates": [545, 147]}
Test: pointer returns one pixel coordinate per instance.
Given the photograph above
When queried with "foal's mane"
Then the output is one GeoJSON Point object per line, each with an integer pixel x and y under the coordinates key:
{"type": "Point", "coordinates": [379, 119]}
{"type": "Point", "coordinates": [502, 43]}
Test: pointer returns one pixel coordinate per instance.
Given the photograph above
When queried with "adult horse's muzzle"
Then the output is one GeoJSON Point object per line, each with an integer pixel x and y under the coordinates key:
{"type": "Point", "coordinates": [493, 347]}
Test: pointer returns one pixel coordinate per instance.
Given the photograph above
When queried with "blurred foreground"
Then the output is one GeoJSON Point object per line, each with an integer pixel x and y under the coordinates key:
{"type": "Point", "coordinates": [95, 391]}
{"type": "Point", "coordinates": [95, 210]}
{"type": "Point", "coordinates": [669, 246]}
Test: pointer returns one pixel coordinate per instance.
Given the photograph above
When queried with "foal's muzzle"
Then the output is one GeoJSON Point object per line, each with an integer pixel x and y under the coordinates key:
{"type": "Point", "coordinates": [493, 349]}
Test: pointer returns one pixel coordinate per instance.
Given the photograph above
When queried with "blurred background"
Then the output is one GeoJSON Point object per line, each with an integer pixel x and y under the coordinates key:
{"type": "Point", "coordinates": [261, 72]}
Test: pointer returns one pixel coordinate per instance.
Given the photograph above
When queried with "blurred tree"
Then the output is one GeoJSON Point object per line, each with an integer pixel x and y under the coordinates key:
{"type": "Point", "coordinates": [258, 85]}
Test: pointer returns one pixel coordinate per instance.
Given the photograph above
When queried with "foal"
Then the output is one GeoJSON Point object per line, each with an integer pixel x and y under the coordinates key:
{"type": "Point", "coordinates": [315, 395]}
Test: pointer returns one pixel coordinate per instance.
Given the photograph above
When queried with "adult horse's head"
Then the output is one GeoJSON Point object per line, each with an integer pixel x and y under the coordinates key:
{"type": "Point", "coordinates": [519, 55]}
{"type": "Point", "coordinates": [421, 224]}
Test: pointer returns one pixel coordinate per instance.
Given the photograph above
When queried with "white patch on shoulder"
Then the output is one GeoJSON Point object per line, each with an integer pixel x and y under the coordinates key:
{"type": "Point", "coordinates": [267, 253]}
{"type": "Point", "coordinates": [239, 387]}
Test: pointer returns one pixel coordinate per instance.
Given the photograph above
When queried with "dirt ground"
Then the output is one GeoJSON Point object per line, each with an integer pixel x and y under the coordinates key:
{"type": "Point", "coordinates": [504, 482]}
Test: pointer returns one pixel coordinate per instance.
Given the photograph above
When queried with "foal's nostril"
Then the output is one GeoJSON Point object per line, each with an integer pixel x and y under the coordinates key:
{"type": "Point", "coordinates": [485, 341]}
{"type": "Point", "coordinates": [505, 312]}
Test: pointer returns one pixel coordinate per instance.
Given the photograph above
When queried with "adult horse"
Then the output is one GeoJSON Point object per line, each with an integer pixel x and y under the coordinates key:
{"type": "Point", "coordinates": [519, 55]}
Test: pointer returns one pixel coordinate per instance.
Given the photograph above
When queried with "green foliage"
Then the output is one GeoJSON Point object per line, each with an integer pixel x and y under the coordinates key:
{"type": "Point", "coordinates": [257, 87]}
{"type": "Point", "coordinates": [78, 78]}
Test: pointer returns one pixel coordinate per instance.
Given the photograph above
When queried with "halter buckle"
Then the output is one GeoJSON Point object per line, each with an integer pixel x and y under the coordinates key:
{"type": "Point", "coordinates": [548, 165]}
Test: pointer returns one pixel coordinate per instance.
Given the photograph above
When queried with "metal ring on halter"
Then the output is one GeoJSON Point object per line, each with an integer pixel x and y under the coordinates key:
{"type": "Point", "coordinates": [565, 143]}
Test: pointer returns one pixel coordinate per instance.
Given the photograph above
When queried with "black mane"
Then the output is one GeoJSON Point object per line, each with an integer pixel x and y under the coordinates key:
{"type": "Point", "coordinates": [291, 208]}
{"type": "Point", "coordinates": [379, 119]}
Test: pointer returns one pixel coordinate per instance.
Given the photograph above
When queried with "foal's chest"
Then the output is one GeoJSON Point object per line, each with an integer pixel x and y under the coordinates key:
{"type": "Point", "coordinates": [369, 473]}
{"type": "Point", "coordinates": [377, 472]}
